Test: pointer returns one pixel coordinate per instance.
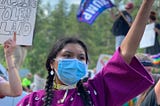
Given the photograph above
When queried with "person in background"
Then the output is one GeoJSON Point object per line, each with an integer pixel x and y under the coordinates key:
{"type": "Point", "coordinates": [131, 102]}
{"type": "Point", "coordinates": [38, 82]}
{"type": "Point", "coordinates": [26, 83]}
{"type": "Point", "coordinates": [155, 49]}
{"type": "Point", "coordinates": [151, 96]}
{"type": "Point", "coordinates": [20, 54]}
{"type": "Point", "coordinates": [122, 23]}
{"type": "Point", "coordinates": [3, 72]}
{"type": "Point", "coordinates": [119, 81]}
{"type": "Point", "coordinates": [13, 86]}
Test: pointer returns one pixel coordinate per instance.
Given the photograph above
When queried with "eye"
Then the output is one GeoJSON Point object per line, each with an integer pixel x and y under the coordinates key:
{"type": "Point", "coordinates": [67, 55]}
{"type": "Point", "coordinates": [82, 58]}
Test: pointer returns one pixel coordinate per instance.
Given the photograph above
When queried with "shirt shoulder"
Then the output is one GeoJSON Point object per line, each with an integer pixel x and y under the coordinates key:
{"type": "Point", "coordinates": [32, 99]}
{"type": "Point", "coordinates": [157, 25]}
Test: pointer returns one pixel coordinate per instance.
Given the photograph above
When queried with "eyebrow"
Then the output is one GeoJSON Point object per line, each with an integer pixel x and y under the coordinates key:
{"type": "Point", "coordinates": [66, 51]}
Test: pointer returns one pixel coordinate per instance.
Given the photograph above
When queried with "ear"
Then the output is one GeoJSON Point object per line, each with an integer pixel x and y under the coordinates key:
{"type": "Point", "coordinates": [54, 65]}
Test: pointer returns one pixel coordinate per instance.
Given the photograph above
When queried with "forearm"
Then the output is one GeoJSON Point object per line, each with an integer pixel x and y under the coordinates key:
{"type": "Point", "coordinates": [15, 87]}
{"type": "Point", "coordinates": [157, 92]}
{"type": "Point", "coordinates": [131, 41]}
{"type": "Point", "coordinates": [113, 15]}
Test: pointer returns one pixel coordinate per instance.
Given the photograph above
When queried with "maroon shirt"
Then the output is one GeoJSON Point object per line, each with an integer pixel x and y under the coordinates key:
{"type": "Point", "coordinates": [114, 85]}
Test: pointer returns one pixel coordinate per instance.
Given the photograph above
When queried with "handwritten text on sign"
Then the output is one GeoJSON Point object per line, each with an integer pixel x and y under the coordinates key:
{"type": "Point", "coordinates": [17, 16]}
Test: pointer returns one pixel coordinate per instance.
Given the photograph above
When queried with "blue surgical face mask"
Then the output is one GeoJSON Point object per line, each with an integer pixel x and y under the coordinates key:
{"type": "Point", "coordinates": [70, 71]}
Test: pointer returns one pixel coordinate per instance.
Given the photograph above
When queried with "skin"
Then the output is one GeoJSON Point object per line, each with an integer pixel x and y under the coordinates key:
{"type": "Point", "coordinates": [70, 51]}
{"type": "Point", "coordinates": [128, 47]}
{"type": "Point", "coordinates": [156, 29]}
{"type": "Point", "coordinates": [157, 91]}
{"type": "Point", "coordinates": [157, 86]}
{"type": "Point", "coordinates": [114, 17]}
{"type": "Point", "coordinates": [131, 41]}
{"type": "Point", "coordinates": [13, 86]}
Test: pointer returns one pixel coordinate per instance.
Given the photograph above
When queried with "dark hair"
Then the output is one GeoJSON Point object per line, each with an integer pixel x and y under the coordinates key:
{"type": "Point", "coordinates": [58, 46]}
{"type": "Point", "coordinates": [152, 15]}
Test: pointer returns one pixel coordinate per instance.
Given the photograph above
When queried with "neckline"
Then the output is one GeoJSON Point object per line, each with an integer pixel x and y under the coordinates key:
{"type": "Point", "coordinates": [63, 87]}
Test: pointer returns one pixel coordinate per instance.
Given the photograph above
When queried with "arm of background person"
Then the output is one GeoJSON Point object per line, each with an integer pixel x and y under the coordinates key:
{"type": "Point", "coordinates": [120, 13]}
{"type": "Point", "coordinates": [131, 41]}
{"type": "Point", "coordinates": [13, 86]}
{"type": "Point", "coordinates": [113, 15]}
{"type": "Point", "coordinates": [157, 29]}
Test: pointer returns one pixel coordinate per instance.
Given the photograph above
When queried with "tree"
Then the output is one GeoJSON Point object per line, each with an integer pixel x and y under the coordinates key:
{"type": "Point", "coordinates": [61, 22]}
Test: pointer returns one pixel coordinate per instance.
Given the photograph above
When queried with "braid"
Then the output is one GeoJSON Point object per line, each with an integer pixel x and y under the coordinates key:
{"type": "Point", "coordinates": [84, 94]}
{"type": "Point", "coordinates": [48, 89]}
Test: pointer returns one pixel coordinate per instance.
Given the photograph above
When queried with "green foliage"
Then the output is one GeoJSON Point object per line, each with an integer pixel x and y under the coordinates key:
{"type": "Point", "coordinates": [62, 22]}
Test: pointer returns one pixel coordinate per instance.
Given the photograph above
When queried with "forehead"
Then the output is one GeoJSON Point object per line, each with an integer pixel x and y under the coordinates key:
{"type": "Point", "coordinates": [73, 47]}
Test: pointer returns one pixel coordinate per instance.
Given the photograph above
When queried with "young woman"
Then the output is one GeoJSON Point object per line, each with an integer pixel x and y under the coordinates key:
{"type": "Point", "coordinates": [12, 87]}
{"type": "Point", "coordinates": [120, 80]}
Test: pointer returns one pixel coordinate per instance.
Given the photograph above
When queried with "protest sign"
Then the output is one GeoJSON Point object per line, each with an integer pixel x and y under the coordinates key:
{"type": "Point", "coordinates": [38, 83]}
{"type": "Point", "coordinates": [102, 60]}
{"type": "Point", "coordinates": [90, 9]}
{"type": "Point", "coordinates": [148, 38]}
{"type": "Point", "coordinates": [17, 16]}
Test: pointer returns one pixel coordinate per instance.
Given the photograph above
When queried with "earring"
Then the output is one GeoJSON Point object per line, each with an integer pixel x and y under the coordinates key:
{"type": "Point", "coordinates": [52, 72]}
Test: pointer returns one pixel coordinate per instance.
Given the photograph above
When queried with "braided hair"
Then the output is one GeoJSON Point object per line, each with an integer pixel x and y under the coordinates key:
{"type": "Point", "coordinates": [59, 45]}
{"type": "Point", "coordinates": [84, 94]}
{"type": "Point", "coordinates": [48, 89]}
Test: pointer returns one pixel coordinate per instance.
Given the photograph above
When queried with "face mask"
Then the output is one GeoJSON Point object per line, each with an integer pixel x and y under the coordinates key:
{"type": "Point", "coordinates": [70, 71]}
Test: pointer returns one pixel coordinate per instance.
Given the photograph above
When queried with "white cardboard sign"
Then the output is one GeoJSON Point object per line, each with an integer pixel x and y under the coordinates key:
{"type": "Point", "coordinates": [102, 60]}
{"type": "Point", "coordinates": [148, 38]}
{"type": "Point", "coordinates": [17, 16]}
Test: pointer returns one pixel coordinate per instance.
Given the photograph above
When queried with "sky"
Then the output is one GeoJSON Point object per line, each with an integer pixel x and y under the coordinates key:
{"type": "Point", "coordinates": [54, 2]}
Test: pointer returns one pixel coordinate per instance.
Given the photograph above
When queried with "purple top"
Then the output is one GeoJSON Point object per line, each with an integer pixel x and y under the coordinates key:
{"type": "Point", "coordinates": [117, 83]}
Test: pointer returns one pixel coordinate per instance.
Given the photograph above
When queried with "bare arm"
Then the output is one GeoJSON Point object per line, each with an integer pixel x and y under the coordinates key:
{"type": "Point", "coordinates": [157, 91]}
{"type": "Point", "coordinates": [113, 15]}
{"type": "Point", "coordinates": [131, 41]}
{"type": "Point", "coordinates": [13, 87]}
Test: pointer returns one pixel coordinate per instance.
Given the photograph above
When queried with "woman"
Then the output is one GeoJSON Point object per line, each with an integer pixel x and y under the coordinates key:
{"type": "Point", "coordinates": [120, 80]}
{"type": "Point", "coordinates": [13, 86]}
{"type": "Point", "coordinates": [155, 49]}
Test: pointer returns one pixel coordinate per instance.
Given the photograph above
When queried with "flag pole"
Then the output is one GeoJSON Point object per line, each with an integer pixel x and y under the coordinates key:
{"type": "Point", "coordinates": [120, 14]}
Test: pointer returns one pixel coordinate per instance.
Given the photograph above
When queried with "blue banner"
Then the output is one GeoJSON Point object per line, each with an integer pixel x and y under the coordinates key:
{"type": "Point", "coordinates": [90, 9]}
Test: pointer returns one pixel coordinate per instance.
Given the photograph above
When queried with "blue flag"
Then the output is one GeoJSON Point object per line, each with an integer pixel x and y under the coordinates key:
{"type": "Point", "coordinates": [90, 9]}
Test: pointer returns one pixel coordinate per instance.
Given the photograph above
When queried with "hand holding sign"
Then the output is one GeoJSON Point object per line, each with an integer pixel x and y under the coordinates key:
{"type": "Point", "coordinates": [10, 45]}
{"type": "Point", "coordinates": [18, 16]}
